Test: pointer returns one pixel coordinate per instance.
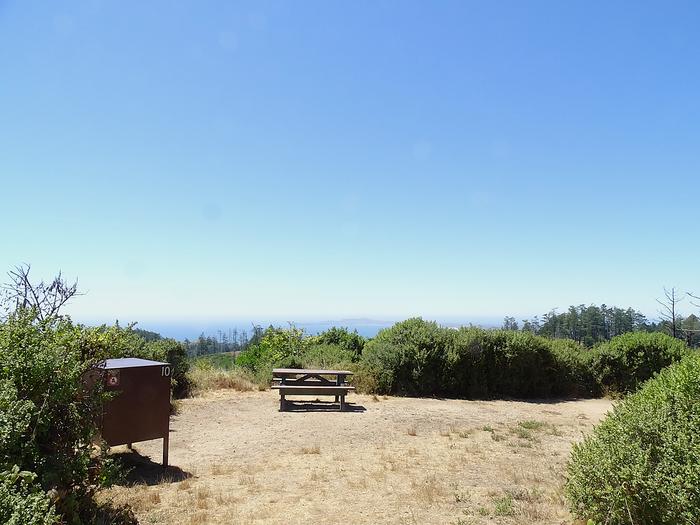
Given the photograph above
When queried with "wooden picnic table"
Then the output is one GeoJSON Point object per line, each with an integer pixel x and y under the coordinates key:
{"type": "Point", "coordinates": [304, 382]}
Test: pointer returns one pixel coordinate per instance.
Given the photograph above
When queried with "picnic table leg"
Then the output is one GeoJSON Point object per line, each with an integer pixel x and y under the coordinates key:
{"type": "Point", "coordinates": [283, 403]}
{"type": "Point", "coordinates": [342, 402]}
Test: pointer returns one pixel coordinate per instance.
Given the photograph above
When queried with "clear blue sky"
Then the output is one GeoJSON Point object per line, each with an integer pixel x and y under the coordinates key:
{"type": "Point", "coordinates": [300, 160]}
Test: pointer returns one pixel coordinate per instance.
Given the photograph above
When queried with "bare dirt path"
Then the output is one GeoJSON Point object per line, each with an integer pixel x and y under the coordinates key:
{"type": "Point", "coordinates": [400, 460]}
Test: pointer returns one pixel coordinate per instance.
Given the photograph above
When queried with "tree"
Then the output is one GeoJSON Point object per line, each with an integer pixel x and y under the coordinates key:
{"type": "Point", "coordinates": [46, 299]}
{"type": "Point", "coordinates": [531, 325]}
{"type": "Point", "coordinates": [509, 323]}
{"type": "Point", "coordinates": [691, 329]}
{"type": "Point", "coordinates": [668, 313]}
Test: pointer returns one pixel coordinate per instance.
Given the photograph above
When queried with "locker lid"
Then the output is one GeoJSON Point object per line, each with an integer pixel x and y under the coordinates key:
{"type": "Point", "coordinates": [129, 362]}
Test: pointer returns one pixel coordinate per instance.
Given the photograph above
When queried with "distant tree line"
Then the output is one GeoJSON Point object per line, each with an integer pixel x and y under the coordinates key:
{"type": "Point", "coordinates": [590, 325]}
{"type": "Point", "coordinates": [231, 340]}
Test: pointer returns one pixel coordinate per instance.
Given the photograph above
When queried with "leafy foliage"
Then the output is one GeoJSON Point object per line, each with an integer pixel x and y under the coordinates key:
{"type": "Point", "coordinates": [48, 412]}
{"type": "Point", "coordinates": [222, 361]}
{"type": "Point", "coordinates": [628, 360]}
{"type": "Point", "coordinates": [277, 347]}
{"type": "Point", "coordinates": [343, 338]}
{"type": "Point", "coordinates": [327, 356]}
{"type": "Point", "coordinates": [420, 358]}
{"type": "Point", "coordinates": [291, 348]}
{"type": "Point", "coordinates": [22, 501]}
{"type": "Point", "coordinates": [573, 364]}
{"type": "Point", "coordinates": [406, 358]}
{"type": "Point", "coordinates": [642, 463]}
{"type": "Point", "coordinates": [48, 415]}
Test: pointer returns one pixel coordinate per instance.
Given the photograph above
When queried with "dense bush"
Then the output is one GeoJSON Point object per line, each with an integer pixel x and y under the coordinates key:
{"type": "Point", "coordinates": [518, 364]}
{"type": "Point", "coordinates": [327, 356]}
{"type": "Point", "coordinates": [419, 357]}
{"type": "Point", "coordinates": [343, 338]}
{"type": "Point", "coordinates": [291, 348]}
{"type": "Point", "coordinates": [622, 364]}
{"type": "Point", "coordinates": [276, 348]}
{"type": "Point", "coordinates": [22, 500]}
{"type": "Point", "coordinates": [407, 358]}
{"type": "Point", "coordinates": [575, 376]}
{"type": "Point", "coordinates": [642, 463]}
{"type": "Point", "coordinates": [47, 413]}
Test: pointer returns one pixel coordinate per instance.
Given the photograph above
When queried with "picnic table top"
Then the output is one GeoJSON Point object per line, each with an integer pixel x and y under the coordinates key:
{"type": "Point", "coordinates": [290, 371]}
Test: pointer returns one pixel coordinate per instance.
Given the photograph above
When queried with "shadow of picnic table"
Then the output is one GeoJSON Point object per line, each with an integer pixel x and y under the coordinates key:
{"type": "Point", "coordinates": [321, 406]}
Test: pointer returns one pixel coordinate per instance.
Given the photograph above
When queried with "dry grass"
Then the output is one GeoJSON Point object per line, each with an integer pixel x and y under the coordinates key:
{"type": "Point", "coordinates": [198, 518]}
{"type": "Point", "coordinates": [185, 484]}
{"type": "Point", "coordinates": [202, 493]}
{"type": "Point", "coordinates": [219, 469]}
{"type": "Point", "coordinates": [247, 479]}
{"type": "Point", "coordinates": [402, 460]}
{"type": "Point", "coordinates": [206, 379]}
{"type": "Point", "coordinates": [428, 489]}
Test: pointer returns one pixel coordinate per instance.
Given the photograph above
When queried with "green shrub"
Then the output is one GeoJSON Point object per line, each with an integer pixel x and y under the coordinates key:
{"type": "Point", "coordinates": [277, 348]}
{"type": "Point", "coordinates": [327, 356]}
{"type": "Point", "coordinates": [642, 463]}
{"type": "Point", "coordinates": [48, 413]}
{"type": "Point", "coordinates": [519, 364]}
{"type": "Point", "coordinates": [407, 358]}
{"type": "Point", "coordinates": [175, 353]}
{"type": "Point", "coordinates": [222, 361]}
{"type": "Point", "coordinates": [575, 376]}
{"type": "Point", "coordinates": [464, 374]}
{"type": "Point", "coordinates": [488, 363]}
{"type": "Point", "coordinates": [290, 348]}
{"type": "Point", "coordinates": [421, 358]}
{"type": "Point", "coordinates": [22, 500]}
{"type": "Point", "coordinates": [342, 337]}
{"type": "Point", "coordinates": [418, 357]}
{"type": "Point", "coordinates": [626, 361]}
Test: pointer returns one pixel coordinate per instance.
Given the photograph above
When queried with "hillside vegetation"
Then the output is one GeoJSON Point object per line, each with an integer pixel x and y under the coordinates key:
{"type": "Point", "coordinates": [417, 357]}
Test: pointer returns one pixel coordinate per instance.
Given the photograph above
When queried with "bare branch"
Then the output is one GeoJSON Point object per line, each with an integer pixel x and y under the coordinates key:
{"type": "Point", "coordinates": [693, 296]}
{"type": "Point", "coordinates": [668, 313]}
{"type": "Point", "coordinates": [45, 299]}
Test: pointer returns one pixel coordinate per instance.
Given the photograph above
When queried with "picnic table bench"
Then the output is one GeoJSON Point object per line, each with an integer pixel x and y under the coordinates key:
{"type": "Point", "coordinates": [303, 382]}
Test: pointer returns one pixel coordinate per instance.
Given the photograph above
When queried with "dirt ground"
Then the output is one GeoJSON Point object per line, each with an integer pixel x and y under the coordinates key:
{"type": "Point", "coordinates": [236, 459]}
